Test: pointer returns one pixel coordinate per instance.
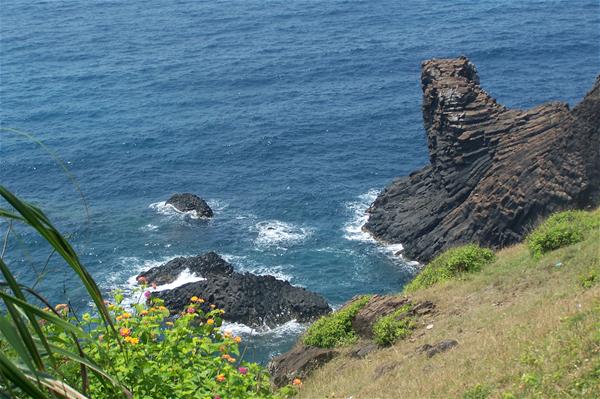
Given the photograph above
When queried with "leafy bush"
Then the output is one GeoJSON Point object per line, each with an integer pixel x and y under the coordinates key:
{"type": "Point", "coordinates": [451, 263]}
{"type": "Point", "coordinates": [560, 230]}
{"type": "Point", "coordinates": [335, 329]}
{"type": "Point", "coordinates": [142, 352]}
{"type": "Point", "coordinates": [477, 392]}
{"type": "Point", "coordinates": [397, 325]}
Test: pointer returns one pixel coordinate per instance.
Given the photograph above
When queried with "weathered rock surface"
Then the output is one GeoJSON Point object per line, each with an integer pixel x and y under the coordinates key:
{"type": "Point", "coordinates": [299, 362]}
{"type": "Point", "coordinates": [383, 305]}
{"type": "Point", "coordinates": [377, 307]}
{"type": "Point", "coordinates": [205, 265]}
{"type": "Point", "coordinates": [246, 298]}
{"type": "Point", "coordinates": [187, 202]}
{"type": "Point", "coordinates": [494, 172]}
{"type": "Point", "coordinates": [439, 347]}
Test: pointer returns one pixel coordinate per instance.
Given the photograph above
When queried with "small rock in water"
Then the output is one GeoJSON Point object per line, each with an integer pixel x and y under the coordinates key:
{"type": "Point", "coordinates": [187, 202]}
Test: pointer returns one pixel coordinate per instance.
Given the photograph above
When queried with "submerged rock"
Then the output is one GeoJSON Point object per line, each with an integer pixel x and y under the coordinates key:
{"type": "Point", "coordinates": [493, 172]}
{"type": "Point", "coordinates": [187, 202]}
{"type": "Point", "coordinates": [246, 298]}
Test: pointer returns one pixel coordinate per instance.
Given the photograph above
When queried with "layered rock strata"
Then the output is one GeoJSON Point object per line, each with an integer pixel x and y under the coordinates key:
{"type": "Point", "coordinates": [494, 172]}
{"type": "Point", "coordinates": [246, 298]}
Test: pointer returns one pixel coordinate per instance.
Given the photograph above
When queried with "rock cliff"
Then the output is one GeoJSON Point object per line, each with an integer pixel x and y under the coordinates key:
{"type": "Point", "coordinates": [493, 172]}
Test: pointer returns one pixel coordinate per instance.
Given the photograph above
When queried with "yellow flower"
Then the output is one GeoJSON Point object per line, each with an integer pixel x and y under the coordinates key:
{"type": "Point", "coordinates": [169, 323]}
{"type": "Point", "coordinates": [210, 322]}
{"type": "Point", "coordinates": [119, 318]}
{"type": "Point", "coordinates": [144, 313]}
{"type": "Point", "coordinates": [220, 378]}
{"type": "Point", "coordinates": [126, 315]}
{"type": "Point", "coordinates": [132, 340]}
{"type": "Point", "coordinates": [237, 339]}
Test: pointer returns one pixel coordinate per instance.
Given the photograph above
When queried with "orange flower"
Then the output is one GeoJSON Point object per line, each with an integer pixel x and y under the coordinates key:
{"type": "Point", "coordinates": [210, 322]}
{"type": "Point", "coordinates": [61, 306]}
{"type": "Point", "coordinates": [132, 340]}
{"type": "Point", "coordinates": [297, 382]}
{"type": "Point", "coordinates": [144, 313]}
{"type": "Point", "coordinates": [237, 339]}
{"type": "Point", "coordinates": [220, 378]}
{"type": "Point", "coordinates": [125, 332]}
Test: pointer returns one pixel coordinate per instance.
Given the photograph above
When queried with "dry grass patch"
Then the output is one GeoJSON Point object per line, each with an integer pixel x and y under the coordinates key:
{"type": "Point", "coordinates": [526, 328]}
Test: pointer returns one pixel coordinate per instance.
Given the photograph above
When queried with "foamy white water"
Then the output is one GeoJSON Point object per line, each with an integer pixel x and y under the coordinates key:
{"type": "Point", "coordinates": [353, 230]}
{"type": "Point", "coordinates": [277, 233]}
{"type": "Point", "coordinates": [292, 327]}
{"type": "Point", "coordinates": [243, 264]}
{"type": "Point", "coordinates": [163, 208]}
{"type": "Point", "coordinates": [184, 277]}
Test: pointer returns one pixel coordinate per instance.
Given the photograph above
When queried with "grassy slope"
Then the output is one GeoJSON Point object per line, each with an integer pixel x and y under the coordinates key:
{"type": "Point", "coordinates": [525, 327]}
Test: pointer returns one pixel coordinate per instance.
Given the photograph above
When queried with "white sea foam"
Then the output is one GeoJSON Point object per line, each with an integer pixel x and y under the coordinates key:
{"type": "Point", "coordinates": [353, 230]}
{"type": "Point", "coordinates": [275, 233]}
{"type": "Point", "coordinates": [149, 227]}
{"type": "Point", "coordinates": [184, 277]}
{"type": "Point", "coordinates": [165, 209]}
{"type": "Point", "coordinates": [291, 327]}
{"type": "Point", "coordinates": [243, 264]}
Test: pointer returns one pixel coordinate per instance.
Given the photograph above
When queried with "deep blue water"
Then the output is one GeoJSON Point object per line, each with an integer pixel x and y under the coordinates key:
{"type": "Point", "coordinates": [289, 115]}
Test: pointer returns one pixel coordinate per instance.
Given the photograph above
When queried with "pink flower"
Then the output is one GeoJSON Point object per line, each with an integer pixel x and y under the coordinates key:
{"type": "Point", "coordinates": [147, 294]}
{"type": "Point", "coordinates": [243, 370]}
{"type": "Point", "coordinates": [217, 397]}
{"type": "Point", "coordinates": [191, 310]}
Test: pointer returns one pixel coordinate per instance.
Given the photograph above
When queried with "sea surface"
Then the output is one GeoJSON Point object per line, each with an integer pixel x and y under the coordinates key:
{"type": "Point", "coordinates": [288, 117]}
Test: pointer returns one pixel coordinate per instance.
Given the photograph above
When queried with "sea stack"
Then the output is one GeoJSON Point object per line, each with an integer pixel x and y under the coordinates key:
{"type": "Point", "coordinates": [494, 172]}
{"type": "Point", "coordinates": [187, 202]}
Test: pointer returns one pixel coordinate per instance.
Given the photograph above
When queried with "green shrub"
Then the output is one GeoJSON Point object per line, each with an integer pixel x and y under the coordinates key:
{"type": "Point", "coordinates": [335, 329]}
{"type": "Point", "coordinates": [477, 392]}
{"type": "Point", "coordinates": [397, 325]}
{"type": "Point", "coordinates": [559, 230]}
{"type": "Point", "coordinates": [451, 263]}
{"type": "Point", "coordinates": [114, 352]}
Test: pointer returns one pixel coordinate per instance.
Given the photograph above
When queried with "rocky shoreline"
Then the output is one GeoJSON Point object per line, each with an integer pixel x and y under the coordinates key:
{"type": "Point", "coordinates": [494, 172]}
{"type": "Point", "coordinates": [254, 300]}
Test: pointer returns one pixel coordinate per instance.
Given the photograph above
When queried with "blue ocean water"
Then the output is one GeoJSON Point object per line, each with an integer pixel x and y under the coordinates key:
{"type": "Point", "coordinates": [287, 116]}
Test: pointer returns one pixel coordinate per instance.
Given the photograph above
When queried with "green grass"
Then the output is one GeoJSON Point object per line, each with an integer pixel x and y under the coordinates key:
{"type": "Point", "coordinates": [397, 325]}
{"type": "Point", "coordinates": [335, 329]}
{"type": "Point", "coordinates": [526, 327]}
{"type": "Point", "coordinates": [450, 264]}
{"type": "Point", "coordinates": [560, 230]}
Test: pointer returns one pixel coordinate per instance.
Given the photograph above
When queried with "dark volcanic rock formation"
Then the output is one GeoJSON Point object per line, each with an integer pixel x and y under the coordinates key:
{"type": "Point", "coordinates": [205, 265]}
{"type": "Point", "coordinates": [493, 172]}
{"type": "Point", "coordinates": [189, 202]}
{"type": "Point", "coordinates": [246, 298]}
